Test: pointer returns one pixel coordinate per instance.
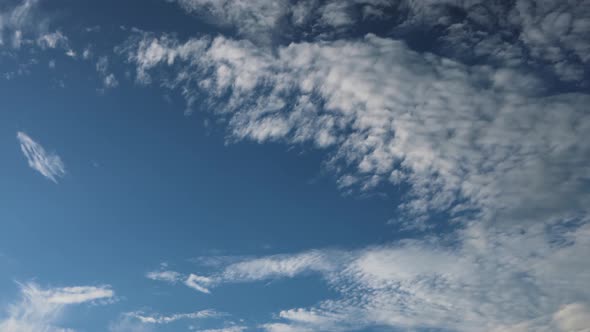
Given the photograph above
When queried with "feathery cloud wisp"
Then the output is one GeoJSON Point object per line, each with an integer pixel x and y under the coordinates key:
{"type": "Point", "coordinates": [48, 164]}
{"type": "Point", "coordinates": [494, 278]}
{"type": "Point", "coordinates": [161, 319]}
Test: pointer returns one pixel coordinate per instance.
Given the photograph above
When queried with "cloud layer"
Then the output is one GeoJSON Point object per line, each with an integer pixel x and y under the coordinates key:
{"type": "Point", "coordinates": [160, 319]}
{"type": "Point", "coordinates": [547, 35]}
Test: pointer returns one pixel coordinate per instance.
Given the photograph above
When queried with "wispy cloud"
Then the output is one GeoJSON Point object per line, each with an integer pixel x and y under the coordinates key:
{"type": "Point", "coordinates": [109, 79]}
{"type": "Point", "coordinates": [226, 329]}
{"type": "Point", "coordinates": [262, 19]}
{"type": "Point", "coordinates": [168, 276]}
{"type": "Point", "coordinates": [393, 115]}
{"type": "Point", "coordinates": [199, 283]}
{"type": "Point", "coordinates": [40, 309]}
{"type": "Point", "coordinates": [48, 164]}
{"type": "Point", "coordinates": [240, 269]}
{"type": "Point", "coordinates": [162, 319]}
{"type": "Point", "coordinates": [494, 278]}
{"type": "Point", "coordinates": [551, 33]}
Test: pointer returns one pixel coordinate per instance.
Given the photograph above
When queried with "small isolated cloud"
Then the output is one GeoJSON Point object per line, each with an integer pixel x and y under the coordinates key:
{"type": "Point", "coordinates": [53, 40]}
{"type": "Point", "coordinates": [39, 309]}
{"type": "Point", "coordinates": [168, 276]}
{"type": "Point", "coordinates": [48, 164]}
{"type": "Point", "coordinates": [110, 81]}
{"type": "Point", "coordinates": [392, 115]}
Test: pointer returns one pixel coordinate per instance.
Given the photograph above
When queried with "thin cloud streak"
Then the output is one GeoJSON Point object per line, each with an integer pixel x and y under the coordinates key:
{"type": "Point", "coordinates": [48, 164]}
{"type": "Point", "coordinates": [161, 319]}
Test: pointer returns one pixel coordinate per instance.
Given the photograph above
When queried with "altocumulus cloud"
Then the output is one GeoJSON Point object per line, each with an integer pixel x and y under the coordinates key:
{"type": "Point", "coordinates": [489, 145]}
{"type": "Point", "coordinates": [465, 137]}
{"type": "Point", "coordinates": [39, 309]}
{"type": "Point", "coordinates": [48, 164]}
{"type": "Point", "coordinates": [487, 142]}
{"type": "Point", "coordinates": [497, 281]}
{"type": "Point", "coordinates": [162, 319]}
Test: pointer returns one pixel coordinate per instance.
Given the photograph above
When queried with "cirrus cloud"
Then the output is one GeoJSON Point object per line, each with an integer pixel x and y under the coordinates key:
{"type": "Point", "coordinates": [48, 164]}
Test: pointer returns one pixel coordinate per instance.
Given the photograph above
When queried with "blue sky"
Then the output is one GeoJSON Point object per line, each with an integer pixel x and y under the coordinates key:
{"type": "Point", "coordinates": [279, 166]}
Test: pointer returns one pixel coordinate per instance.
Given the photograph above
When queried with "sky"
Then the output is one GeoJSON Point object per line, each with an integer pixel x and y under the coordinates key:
{"type": "Point", "coordinates": [294, 165]}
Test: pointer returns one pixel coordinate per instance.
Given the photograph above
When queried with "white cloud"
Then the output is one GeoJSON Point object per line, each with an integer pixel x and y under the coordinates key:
{"type": "Point", "coordinates": [251, 17]}
{"type": "Point", "coordinates": [487, 145]}
{"type": "Point", "coordinates": [277, 266]}
{"type": "Point", "coordinates": [39, 309]}
{"type": "Point", "coordinates": [550, 33]}
{"type": "Point", "coordinates": [75, 295]}
{"type": "Point", "coordinates": [48, 164]}
{"type": "Point", "coordinates": [161, 319]}
{"type": "Point", "coordinates": [13, 20]}
{"type": "Point", "coordinates": [240, 269]}
{"type": "Point", "coordinates": [53, 40]}
{"type": "Point", "coordinates": [226, 329]}
{"type": "Point", "coordinates": [279, 327]}
{"type": "Point", "coordinates": [126, 323]}
{"type": "Point", "coordinates": [23, 24]}
{"type": "Point", "coordinates": [109, 80]}
{"type": "Point", "coordinates": [491, 280]}
{"type": "Point", "coordinates": [262, 20]}
{"type": "Point", "coordinates": [488, 138]}
{"type": "Point", "coordinates": [87, 53]}
{"type": "Point", "coordinates": [198, 283]}
{"type": "Point", "coordinates": [168, 276]}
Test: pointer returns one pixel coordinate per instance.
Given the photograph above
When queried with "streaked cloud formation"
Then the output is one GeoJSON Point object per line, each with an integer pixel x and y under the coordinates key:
{"type": "Point", "coordinates": [169, 276]}
{"type": "Point", "coordinates": [39, 309]}
{"type": "Point", "coordinates": [48, 164]}
{"type": "Point", "coordinates": [160, 319]}
{"type": "Point", "coordinates": [479, 126]}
